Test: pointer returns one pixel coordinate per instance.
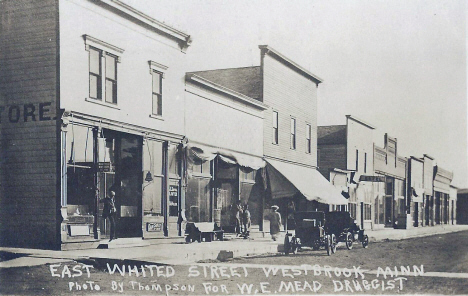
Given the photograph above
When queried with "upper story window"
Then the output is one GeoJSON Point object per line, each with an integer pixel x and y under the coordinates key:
{"type": "Point", "coordinates": [357, 160]}
{"type": "Point", "coordinates": [308, 138]}
{"type": "Point", "coordinates": [365, 162]}
{"type": "Point", "coordinates": [275, 127]}
{"type": "Point", "coordinates": [103, 59]}
{"type": "Point", "coordinates": [157, 93]}
{"type": "Point", "coordinates": [293, 133]}
{"type": "Point", "coordinates": [157, 75]}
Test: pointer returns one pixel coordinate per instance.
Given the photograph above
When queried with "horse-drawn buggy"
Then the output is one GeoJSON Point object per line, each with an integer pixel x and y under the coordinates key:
{"type": "Point", "coordinates": [324, 230]}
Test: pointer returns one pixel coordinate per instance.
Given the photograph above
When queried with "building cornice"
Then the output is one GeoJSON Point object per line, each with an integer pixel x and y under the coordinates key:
{"type": "Point", "coordinates": [269, 50]}
{"type": "Point", "coordinates": [428, 156]}
{"type": "Point", "coordinates": [243, 98]}
{"type": "Point", "coordinates": [182, 38]}
{"type": "Point", "coordinates": [360, 121]}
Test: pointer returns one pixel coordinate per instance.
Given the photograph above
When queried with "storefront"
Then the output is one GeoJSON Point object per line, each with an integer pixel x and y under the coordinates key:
{"type": "Point", "coordinates": [143, 169]}
{"type": "Point", "coordinates": [294, 187]}
{"type": "Point", "coordinates": [218, 180]}
{"type": "Point", "coordinates": [390, 196]}
{"type": "Point", "coordinates": [223, 154]}
{"type": "Point", "coordinates": [442, 180]}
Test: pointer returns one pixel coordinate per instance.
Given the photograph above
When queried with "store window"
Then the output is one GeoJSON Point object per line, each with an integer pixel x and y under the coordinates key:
{"type": "Point", "coordinates": [80, 180]}
{"type": "Point", "coordinates": [198, 196]}
{"type": "Point", "coordinates": [152, 188]}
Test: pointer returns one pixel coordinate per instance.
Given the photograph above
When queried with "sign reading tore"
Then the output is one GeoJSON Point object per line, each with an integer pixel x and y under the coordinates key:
{"type": "Point", "coordinates": [27, 112]}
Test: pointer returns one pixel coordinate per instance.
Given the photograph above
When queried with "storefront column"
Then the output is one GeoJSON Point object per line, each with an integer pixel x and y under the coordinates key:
{"type": "Point", "coordinates": [96, 132]}
{"type": "Point", "coordinates": [63, 181]}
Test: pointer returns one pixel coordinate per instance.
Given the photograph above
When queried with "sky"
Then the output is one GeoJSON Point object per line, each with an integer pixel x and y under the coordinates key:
{"type": "Point", "coordinates": [398, 65]}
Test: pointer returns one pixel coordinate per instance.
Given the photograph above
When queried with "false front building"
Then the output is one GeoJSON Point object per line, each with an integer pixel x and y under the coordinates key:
{"type": "Point", "coordinates": [289, 132]}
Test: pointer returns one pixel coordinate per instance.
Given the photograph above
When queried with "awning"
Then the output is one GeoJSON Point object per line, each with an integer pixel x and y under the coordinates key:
{"type": "Point", "coordinates": [288, 179]}
{"type": "Point", "coordinates": [206, 153]}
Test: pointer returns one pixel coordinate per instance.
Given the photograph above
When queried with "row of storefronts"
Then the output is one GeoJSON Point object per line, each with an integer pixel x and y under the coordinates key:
{"type": "Point", "coordinates": [383, 188]}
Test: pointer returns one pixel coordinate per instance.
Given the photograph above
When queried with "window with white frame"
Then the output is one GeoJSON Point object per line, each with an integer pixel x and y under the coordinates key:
{"type": "Point", "coordinates": [308, 138]}
{"type": "Point", "coordinates": [275, 127]}
{"type": "Point", "coordinates": [293, 133]}
{"type": "Point", "coordinates": [157, 93]}
{"type": "Point", "coordinates": [157, 72]}
{"type": "Point", "coordinates": [103, 59]}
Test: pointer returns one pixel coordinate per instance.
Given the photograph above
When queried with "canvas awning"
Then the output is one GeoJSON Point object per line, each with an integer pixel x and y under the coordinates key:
{"type": "Point", "coordinates": [206, 153]}
{"type": "Point", "coordinates": [288, 179]}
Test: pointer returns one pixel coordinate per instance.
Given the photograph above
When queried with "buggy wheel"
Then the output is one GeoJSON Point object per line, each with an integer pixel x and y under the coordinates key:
{"type": "Point", "coordinates": [349, 240]}
{"type": "Point", "coordinates": [294, 245]}
{"type": "Point", "coordinates": [287, 245]}
{"type": "Point", "coordinates": [334, 242]}
{"type": "Point", "coordinates": [328, 245]}
{"type": "Point", "coordinates": [365, 241]}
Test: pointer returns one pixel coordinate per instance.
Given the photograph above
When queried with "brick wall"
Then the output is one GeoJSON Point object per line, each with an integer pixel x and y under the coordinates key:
{"type": "Point", "coordinates": [292, 95]}
{"type": "Point", "coordinates": [28, 137]}
{"type": "Point", "coordinates": [330, 157]}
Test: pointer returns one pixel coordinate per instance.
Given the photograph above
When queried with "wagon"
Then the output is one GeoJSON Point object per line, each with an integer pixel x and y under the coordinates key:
{"type": "Point", "coordinates": [310, 232]}
{"type": "Point", "coordinates": [345, 229]}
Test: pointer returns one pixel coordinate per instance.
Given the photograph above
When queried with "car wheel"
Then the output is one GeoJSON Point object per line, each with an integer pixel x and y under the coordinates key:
{"type": "Point", "coordinates": [349, 240]}
{"type": "Point", "coordinates": [365, 241]}
{"type": "Point", "coordinates": [334, 242]}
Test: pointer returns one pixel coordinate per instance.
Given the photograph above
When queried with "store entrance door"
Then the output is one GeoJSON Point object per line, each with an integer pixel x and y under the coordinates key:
{"type": "Point", "coordinates": [388, 211]}
{"type": "Point", "coordinates": [120, 165]}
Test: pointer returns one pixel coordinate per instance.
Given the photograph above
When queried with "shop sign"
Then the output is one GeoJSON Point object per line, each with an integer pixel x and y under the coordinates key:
{"type": "Point", "coordinates": [371, 178]}
{"type": "Point", "coordinates": [27, 112]}
{"type": "Point", "coordinates": [104, 167]}
{"type": "Point", "coordinates": [154, 226]}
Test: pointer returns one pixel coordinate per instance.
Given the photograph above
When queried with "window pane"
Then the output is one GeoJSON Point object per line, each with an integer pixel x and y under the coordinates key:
{"type": "Point", "coordinates": [308, 131]}
{"type": "Point", "coordinates": [152, 195]}
{"type": "Point", "coordinates": [94, 83]}
{"type": "Point", "coordinates": [293, 126]}
{"type": "Point", "coordinates": [94, 61]}
{"type": "Point", "coordinates": [111, 91]}
{"type": "Point", "coordinates": [275, 119]}
{"type": "Point", "coordinates": [110, 67]}
{"type": "Point", "coordinates": [156, 82]}
{"type": "Point", "coordinates": [157, 104]}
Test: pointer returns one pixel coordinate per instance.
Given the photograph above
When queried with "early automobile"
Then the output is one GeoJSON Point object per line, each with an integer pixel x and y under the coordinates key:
{"type": "Point", "coordinates": [310, 231]}
{"type": "Point", "coordinates": [345, 229]}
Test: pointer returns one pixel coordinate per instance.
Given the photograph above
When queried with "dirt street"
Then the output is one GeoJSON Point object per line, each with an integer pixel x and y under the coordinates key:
{"type": "Point", "coordinates": [430, 265]}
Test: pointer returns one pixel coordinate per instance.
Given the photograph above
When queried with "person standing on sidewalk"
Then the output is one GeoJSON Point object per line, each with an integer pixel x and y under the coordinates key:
{"type": "Point", "coordinates": [239, 215]}
{"type": "Point", "coordinates": [275, 222]}
{"type": "Point", "coordinates": [246, 221]}
{"type": "Point", "coordinates": [109, 212]}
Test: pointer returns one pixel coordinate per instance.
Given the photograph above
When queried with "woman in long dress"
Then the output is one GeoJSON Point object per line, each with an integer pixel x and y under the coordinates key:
{"type": "Point", "coordinates": [275, 223]}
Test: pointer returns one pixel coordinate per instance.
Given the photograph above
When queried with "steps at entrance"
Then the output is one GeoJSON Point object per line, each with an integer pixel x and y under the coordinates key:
{"type": "Point", "coordinates": [123, 243]}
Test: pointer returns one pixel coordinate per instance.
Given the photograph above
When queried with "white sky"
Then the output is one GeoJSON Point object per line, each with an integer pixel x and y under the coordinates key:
{"type": "Point", "coordinates": [399, 65]}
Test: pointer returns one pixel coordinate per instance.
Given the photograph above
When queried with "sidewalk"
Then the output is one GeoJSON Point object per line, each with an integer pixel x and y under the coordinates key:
{"type": "Point", "coordinates": [181, 253]}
